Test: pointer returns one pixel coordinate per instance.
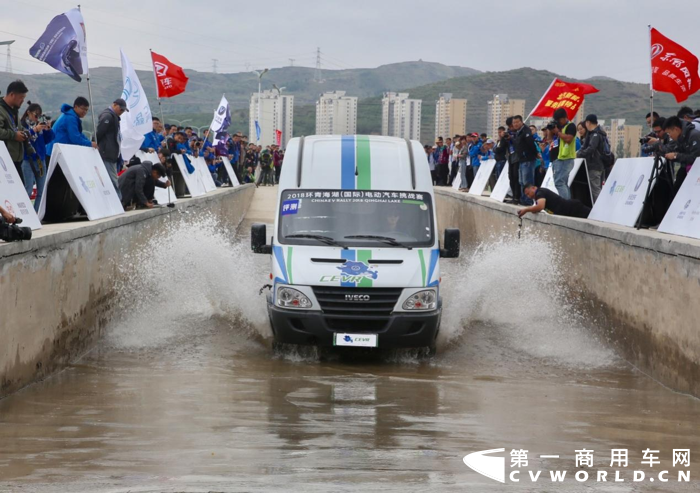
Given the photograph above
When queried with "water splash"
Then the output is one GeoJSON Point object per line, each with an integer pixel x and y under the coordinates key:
{"type": "Point", "coordinates": [517, 288]}
{"type": "Point", "coordinates": [197, 270]}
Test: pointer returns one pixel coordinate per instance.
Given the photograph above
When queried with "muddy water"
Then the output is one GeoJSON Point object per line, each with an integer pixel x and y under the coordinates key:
{"type": "Point", "coordinates": [186, 395]}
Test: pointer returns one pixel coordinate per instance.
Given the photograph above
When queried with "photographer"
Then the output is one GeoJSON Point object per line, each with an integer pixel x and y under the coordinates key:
{"type": "Point", "coordinates": [687, 149]}
{"type": "Point", "coordinates": [9, 229]}
{"type": "Point", "coordinates": [657, 141]}
{"type": "Point", "coordinates": [7, 216]}
{"type": "Point", "coordinates": [10, 130]}
{"type": "Point", "coordinates": [35, 162]}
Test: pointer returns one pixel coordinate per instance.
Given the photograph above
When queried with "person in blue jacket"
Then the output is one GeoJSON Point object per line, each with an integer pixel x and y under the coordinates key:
{"type": "Point", "coordinates": [35, 162]}
{"type": "Point", "coordinates": [153, 139]}
{"type": "Point", "coordinates": [68, 129]}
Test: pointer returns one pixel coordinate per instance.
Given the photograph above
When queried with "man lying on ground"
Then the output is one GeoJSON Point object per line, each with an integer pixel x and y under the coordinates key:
{"type": "Point", "coordinates": [547, 200]}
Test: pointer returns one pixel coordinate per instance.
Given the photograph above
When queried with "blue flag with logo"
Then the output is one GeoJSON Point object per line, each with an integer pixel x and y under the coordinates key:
{"type": "Point", "coordinates": [257, 130]}
{"type": "Point", "coordinates": [62, 45]}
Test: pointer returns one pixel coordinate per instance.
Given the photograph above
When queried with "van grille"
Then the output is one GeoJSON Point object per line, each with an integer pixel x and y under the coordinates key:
{"type": "Point", "coordinates": [357, 315]}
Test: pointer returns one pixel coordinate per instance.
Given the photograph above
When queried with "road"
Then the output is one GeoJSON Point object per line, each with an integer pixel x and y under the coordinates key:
{"type": "Point", "coordinates": [185, 394]}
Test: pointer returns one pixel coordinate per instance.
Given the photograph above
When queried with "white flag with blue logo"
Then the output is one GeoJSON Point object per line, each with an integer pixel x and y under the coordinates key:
{"type": "Point", "coordinates": [137, 122]}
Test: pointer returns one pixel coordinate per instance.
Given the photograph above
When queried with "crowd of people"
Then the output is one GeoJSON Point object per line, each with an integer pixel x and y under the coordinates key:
{"type": "Point", "coordinates": [31, 136]}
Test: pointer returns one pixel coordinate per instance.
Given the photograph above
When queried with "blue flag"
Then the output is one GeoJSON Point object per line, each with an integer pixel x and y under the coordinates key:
{"type": "Point", "coordinates": [63, 45]}
{"type": "Point", "coordinates": [257, 130]}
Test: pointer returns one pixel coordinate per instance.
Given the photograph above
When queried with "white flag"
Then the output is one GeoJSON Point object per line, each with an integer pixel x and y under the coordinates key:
{"type": "Point", "coordinates": [137, 122]}
{"type": "Point", "coordinates": [221, 121]}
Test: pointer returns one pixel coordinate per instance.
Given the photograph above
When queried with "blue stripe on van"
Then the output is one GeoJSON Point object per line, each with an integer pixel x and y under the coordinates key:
{"type": "Point", "coordinates": [434, 256]}
{"type": "Point", "coordinates": [279, 255]}
{"type": "Point", "coordinates": [348, 255]}
{"type": "Point", "coordinates": [347, 162]}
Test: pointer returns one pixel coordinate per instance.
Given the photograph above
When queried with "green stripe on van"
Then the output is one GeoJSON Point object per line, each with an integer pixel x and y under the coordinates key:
{"type": "Point", "coordinates": [364, 256]}
{"type": "Point", "coordinates": [289, 264]}
{"type": "Point", "coordinates": [422, 265]}
{"type": "Point", "coordinates": [364, 163]}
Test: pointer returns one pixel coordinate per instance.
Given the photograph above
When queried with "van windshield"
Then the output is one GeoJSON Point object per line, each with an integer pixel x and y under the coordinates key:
{"type": "Point", "coordinates": [356, 218]}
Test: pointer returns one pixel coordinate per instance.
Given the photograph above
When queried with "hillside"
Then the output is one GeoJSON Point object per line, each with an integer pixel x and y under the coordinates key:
{"type": "Point", "coordinates": [205, 89]}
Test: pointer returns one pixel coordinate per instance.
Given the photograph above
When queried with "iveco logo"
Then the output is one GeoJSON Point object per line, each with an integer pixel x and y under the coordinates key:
{"type": "Point", "coordinates": [356, 297]}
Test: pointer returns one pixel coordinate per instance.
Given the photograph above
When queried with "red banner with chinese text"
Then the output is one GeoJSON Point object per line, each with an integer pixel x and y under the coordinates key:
{"type": "Point", "coordinates": [673, 68]}
{"type": "Point", "coordinates": [561, 94]}
{"type": "Point", "coordinates": [170, 78]}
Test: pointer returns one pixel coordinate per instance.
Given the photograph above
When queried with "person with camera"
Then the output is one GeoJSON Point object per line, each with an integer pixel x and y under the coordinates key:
{"type": "Point", "coordinates": [687, 149]}
{"type": "Point", "coordinates": [657, 141]}
{"type": "Point", "coordinates": [9, 229]}
{"type": "Point", "coordinates": [594, 152]}
{"type": "Point", "coordinates": [11, 131]}
{"type": "Point", "coordinates": [35, 163]}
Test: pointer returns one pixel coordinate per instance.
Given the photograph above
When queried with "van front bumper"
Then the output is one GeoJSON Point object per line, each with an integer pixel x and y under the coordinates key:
{"type": "Point", "coordinates": [400, 330]}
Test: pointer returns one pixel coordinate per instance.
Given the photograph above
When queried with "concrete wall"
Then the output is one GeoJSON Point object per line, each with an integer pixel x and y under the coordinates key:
{"type": "Point", "coordinates": [643, 285]}
{"type": "Point", "coordinates": [57, 290]}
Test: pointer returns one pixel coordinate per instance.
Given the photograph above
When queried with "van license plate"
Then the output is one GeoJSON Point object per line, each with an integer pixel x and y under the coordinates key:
{"type": "Point", "coordinates": [357, 340]}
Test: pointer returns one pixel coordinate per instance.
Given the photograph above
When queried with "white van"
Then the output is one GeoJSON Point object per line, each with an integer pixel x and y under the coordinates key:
{"type": "Point", "coordinates": [355, 253]}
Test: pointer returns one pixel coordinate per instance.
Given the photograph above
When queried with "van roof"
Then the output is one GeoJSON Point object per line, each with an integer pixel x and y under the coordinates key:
{"type": "Point", "coordinates": [355, 162]}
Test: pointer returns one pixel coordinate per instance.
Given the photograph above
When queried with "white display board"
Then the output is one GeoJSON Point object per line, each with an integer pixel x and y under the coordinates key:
{"type": "Point", "coordinates": [193, 181]}
{"type": "Point", "coordinates": [548, 181]}
{"type": "Point", "coordinates": [13, 196]}
{"type": "Point", "coordinates": [622, 198]}
{"type": "Point", "coordinates": [87, 177]}
{"type": "Point", "coordinates": [229, 170]}
{"type": "Point", "coordinates": [204, 174]}
{"type": "Point", "coordinates": [502, 187]}
{"type": "Point", "coordinates": [162, 195]}
{"type": "Point", "coordinates": [482, 177]}
{"type": "Point", "coordinates": [683, 217]}
{"type": "Point", "coordinates": [456, 183]}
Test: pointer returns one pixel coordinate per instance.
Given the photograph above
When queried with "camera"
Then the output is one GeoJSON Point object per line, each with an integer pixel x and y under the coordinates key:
{"type": "Point", "coordinates": [43, 120]}
{"type": "Point", "coordinates": [644, 140]}
{"type": "Point", "coordinates": [12, 232]}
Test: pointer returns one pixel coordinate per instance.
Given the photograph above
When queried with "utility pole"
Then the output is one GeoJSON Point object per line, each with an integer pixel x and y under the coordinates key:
{"type": "Point", "coordinates": [291, 62]}
{"type": "Point", "coordinates": [214, 64]}
{"type": "Point", "coordinates": [317, 73]}
{"type": "Point", "coordinates": [8, 64]}
{"type": "Point", "coordinates": [260, 76]}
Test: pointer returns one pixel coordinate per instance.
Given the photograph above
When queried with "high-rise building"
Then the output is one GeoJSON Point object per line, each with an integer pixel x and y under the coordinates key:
{"type": "Point", "coordinates": [276, 113]}
{"type": "Point", "coordinates": [450, 116]}
{"type": "Point", "coordinates": [581, 115]}
{"type": "Point", "coordinates": [401, 116]}
{"type": "Point", "coordinates": [336, 114]}
{"type": "Point", "coordinates": [500, 108]}
{"type": "Point", "coordinates": [624, 139]}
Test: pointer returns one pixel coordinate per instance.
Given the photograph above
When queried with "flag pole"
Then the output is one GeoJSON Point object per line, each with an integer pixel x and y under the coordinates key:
{"type": "Point", "coordinates": [541, 99]}
{"type": "Point", "coordinates": [155, 78]}
{"type": "Point", "coordinates": [651, 84]}
{"type": "Point", "coordinates": [92, 106]}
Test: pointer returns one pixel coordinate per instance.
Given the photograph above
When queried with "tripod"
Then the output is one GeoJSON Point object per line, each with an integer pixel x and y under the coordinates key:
{"type": "Point", "coordinates": [658, 202]}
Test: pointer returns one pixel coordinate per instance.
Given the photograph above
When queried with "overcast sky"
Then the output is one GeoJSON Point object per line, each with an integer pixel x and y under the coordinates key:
{"type": "Point", "coordinates": [574, 38]}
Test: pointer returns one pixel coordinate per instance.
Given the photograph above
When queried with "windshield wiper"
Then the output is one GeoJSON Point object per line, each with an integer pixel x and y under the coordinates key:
{"type": "Point", "coordinates": [384, 239]}
{"type": "Point", "coordinates": [325, 239]}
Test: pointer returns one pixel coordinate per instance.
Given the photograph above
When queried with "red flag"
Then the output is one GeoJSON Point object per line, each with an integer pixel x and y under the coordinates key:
{"type": "Point", "coordinates": [567, 95]}
{"type": "Point", "coordinates": [170, 78]}
{"type": "Point", "coordinates": [673, 68]}
{"type": "Point", "coordinates": [278, 137]}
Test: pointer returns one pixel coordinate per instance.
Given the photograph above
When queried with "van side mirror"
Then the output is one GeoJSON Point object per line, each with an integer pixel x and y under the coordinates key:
{"type": "Point", "coordinates": [258, 239]}
{"type": "Point", "coordinates": [451, 249]}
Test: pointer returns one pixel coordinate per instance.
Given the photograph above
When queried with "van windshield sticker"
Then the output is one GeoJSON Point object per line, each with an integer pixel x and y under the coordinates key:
{"type": "Point", "coordinates": [355, 194]}
{"type": "Point", "coordinates": [291, 207]}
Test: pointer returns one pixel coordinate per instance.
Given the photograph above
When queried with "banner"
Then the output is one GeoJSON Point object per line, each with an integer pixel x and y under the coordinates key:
{"type": "Point", "coordinates": [63, 46]}
{"type": "Point", "coordinates": [161, 194]}
{"type": "Point", "coordinates": [502, 187]}
{"type": "Point", "coordinates": [258, 132]}
{"type": "Point", "coordinates": [673, 68]}
{"type": "Point", "coordinates": [548, 181]}
{"type": "Point", "coordinates": [204, 174]}
{"type": "Point", "coordinates": [193, 181]}
{"type": "Point", "coordinates": [88, 178]}
{"type": "Point", "coordinates": [482, 177]}
{"type": "Point", "coordinates": [13, 196]}
{"type": "Point", "coordinates": [137, 122]}
{"type": "Point", "coordinates": [622, 198]}
{"type": "Point", "coordinates": [683, 217]}
{"type": "Point", "coordinates": [229, 170]}
{"type": "Point", "coordinates": [170, 78]}
{"type": "Point", "coordinates": [278, 138]}
{"type": "Point", "coordinates": [561, 94]}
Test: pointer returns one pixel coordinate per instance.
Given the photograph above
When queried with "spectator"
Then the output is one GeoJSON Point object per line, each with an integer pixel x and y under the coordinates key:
{"type": "Point", "coordinates": [442, 158]}
{"type": "Point", "coordinates": [277, 162]}
{"type": "Point", "coordinates": [686, 114]}
{"type": "Point", "coordinates": [153, 139]}
{"type": "Point", "coordinates": [651, 117]}
{"type": "Point", "coordinates": [11, 132]}
{"type": "Point", "coordinates": [138, 184]}
{"type": "Point", "coordinates": [463, 160]}
{"type": "Point", "coordinates": [687, 139]}
{"type": "Point", "coordinates": [249, 176]}
{"type": "Point", "coordinates": [108, 139]}
{"type": "Point", "coordinates": [593, 151]}
{"type": "Point", "coordinates": [564, 163]}
{"type": "Point", "coordinates": [266, 169]}
{"type": "Point", "coordinates": [68, 129]}
{"type": "Point", "coordinates": [474, 158]}
{"type": "Point", "coordinates": [513, 162]}
{"type": "Point", "coordinates": [582, 131]}
{"type": "Point", "coordinates": [454, 160]}
{"type": "Point", "coordinates": [432, 163]}
{"type": "Point", "coordinates": [35, 162]}
{"type": "Point", "coordinates": [500, 151]}
{"type": "Point", "coordinates": [527, 153]}
{"type": "Point", "coordinates": [553, 203]}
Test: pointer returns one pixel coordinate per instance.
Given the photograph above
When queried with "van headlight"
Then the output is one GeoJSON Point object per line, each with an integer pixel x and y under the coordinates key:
{"type": "Point", "coordinates": [291, 298]}
{"type": "Point", "coordinates": [422, 300]}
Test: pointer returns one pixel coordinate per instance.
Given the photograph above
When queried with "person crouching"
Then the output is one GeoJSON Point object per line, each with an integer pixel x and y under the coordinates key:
{"type": "Point", "coordinates": [138, 184]}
